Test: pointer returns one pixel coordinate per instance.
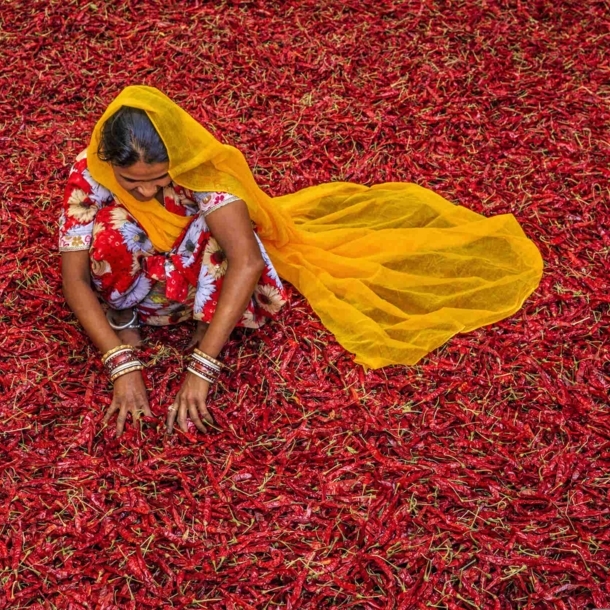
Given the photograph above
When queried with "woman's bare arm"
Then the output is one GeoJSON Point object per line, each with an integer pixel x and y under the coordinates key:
{"type": "Point", "coordinates": [129, 394]}
{"type": "Point", "coordinates": [83, 302]}
{"type": "Point", "coordinates": [232, 228]}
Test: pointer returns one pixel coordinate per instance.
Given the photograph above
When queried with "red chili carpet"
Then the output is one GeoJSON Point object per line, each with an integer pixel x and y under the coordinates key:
{"type": "Point", "coordinates": [478, 479]}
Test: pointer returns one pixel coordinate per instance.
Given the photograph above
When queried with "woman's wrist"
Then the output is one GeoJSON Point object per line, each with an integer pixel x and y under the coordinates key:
{"type": "Point", "coordinates": [128, 377]}
{"type": "Point", "coordinates": [210, 346]}
{"type": "Point", "coordinates": [197, 378]}
{"type": "Point", "coordinates": [121, 360]}
{"type": "Point", "coordinates": [204, 366]}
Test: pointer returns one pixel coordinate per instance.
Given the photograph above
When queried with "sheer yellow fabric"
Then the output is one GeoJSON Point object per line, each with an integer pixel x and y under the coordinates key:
{"type": "Point", "coordinates": [393, 270]}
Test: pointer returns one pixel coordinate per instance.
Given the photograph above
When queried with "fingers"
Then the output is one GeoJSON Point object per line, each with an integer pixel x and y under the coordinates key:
{"type": "Point", "coordinates": [205, 414]}
{"type": "Point", "coordinates": [112, 409]}
{"type": "Point", "coordinates": [142, 410]}
{"type": "Point", "coordinates": [180, 411]}
{"type": "Point", "coordinates": [129, 396]}
{"type": "Point", "coordinates": [182, 420]}
{"type": "Point", "coordinates": [139, 410]}
{"type": "Point", "coordinates": [195, 418]}
{"type": "Point", "coordinates": [136, 414]}
{"type": "Point", "coordinates": [120, 421]}
{"type": "Point", "coordinates": [172, 412]}
{"type": "Point", "coordinates": [147, 410]}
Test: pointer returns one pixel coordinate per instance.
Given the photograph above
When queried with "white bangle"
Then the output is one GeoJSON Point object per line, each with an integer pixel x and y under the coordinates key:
{"type": "Point", "coordinates": [124, 326]}
{"type": "Point", "coordinates": [190, 370]}
{"type": "Point", "coordinates": [135, 367]}
{"type": "Point", "coordinates": [206, 362]}
{"type": "Point", "coordinates": [126, 365]}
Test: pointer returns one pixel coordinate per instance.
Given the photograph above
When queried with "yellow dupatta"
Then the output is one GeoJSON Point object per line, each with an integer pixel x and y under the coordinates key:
{"type": "Point", "coordinates": [393, 270]}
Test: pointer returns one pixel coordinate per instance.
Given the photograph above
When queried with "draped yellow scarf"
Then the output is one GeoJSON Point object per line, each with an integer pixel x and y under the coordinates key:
{"type": "Point", "coordinates": [393, 270]}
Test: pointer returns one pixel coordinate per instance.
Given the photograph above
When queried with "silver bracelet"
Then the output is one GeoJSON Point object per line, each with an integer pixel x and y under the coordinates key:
{"type": "Point", "coordinates": [124, 326]}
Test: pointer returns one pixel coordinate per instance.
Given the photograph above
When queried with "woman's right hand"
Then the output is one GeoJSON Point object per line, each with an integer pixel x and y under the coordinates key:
{"type": "Point", "coordinates": [129, 397]}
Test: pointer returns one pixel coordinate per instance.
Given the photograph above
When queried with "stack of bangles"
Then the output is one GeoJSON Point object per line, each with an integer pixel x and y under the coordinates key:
{"type": "Point", "coordinates": [204, 366]}
{"type": "Point", "coordinates": [121, 360]}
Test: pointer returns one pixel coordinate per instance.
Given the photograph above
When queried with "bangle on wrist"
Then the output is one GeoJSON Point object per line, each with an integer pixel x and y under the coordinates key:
{"type": "Point", "coordinates": [121, 360]}
{"type": "Point", "coordinates": [115, 350]}
{"type": "Point", "coordinates": [205, 363]}
{"type": "Point", "coordinates": [200, 374]}
{"type": "Point", "coordinates": [130, 369]}
{"type": "Point", "coordinates": [204, 366]}
{"type": "Point", "coordinates": [211, 360]}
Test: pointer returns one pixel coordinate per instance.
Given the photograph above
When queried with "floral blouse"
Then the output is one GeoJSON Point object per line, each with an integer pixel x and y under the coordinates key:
{"type": "Point", "coordinates": [83, 200]}
{"type": "Point", "coordinates": [83, 197]}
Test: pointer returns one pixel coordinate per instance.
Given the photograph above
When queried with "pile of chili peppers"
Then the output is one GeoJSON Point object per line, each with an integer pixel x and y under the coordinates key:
{"type": "Point", "coordinates": [477, 479]}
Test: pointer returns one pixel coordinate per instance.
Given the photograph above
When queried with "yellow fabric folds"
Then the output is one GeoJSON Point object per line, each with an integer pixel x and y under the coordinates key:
{"type": "Point", "coordinates": [393, 270]}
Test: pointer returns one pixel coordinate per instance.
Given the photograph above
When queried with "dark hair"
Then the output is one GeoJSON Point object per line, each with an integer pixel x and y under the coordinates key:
{"type": "Point", "coordinates": [129, 136]}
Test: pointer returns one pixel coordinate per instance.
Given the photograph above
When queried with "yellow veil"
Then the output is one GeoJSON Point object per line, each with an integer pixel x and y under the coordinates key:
{"type": "Point", "coordinates": [393, 270]}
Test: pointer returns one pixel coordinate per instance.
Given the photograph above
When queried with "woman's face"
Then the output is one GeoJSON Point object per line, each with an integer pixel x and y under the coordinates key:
{"type": "Point", "coordinates": [143, 180]}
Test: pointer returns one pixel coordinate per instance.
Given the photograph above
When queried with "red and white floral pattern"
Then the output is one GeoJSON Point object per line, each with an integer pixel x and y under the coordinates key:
{"type": "Point", "coordinates": [166, 288]}
{"type": "Point", "coordinates": [214, 259]}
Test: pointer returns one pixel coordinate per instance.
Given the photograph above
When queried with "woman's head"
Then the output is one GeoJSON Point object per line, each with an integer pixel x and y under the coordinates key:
{"type": "Point", "coordinates": [129, 136]}
{"type": "Point", "coordinates": [134, 149]}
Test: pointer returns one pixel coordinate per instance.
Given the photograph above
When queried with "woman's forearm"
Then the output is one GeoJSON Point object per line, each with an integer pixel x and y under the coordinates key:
{"type": "Point", "coordinates": [82, 301]}
{"type": "Point", "coordinates": [237, 288]}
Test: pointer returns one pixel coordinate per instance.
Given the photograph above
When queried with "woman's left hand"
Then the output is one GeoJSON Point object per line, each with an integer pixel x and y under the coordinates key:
{"type": "Point", "coordinates": [190, 402]}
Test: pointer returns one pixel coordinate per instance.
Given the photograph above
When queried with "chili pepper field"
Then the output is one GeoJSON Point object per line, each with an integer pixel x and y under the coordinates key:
{"type": "Point", "coordinates": [479, 478]}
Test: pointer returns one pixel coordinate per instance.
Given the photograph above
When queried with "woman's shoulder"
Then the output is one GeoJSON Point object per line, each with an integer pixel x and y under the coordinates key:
{"type": "Point", "coordinates": [204, 202]}
{"type": "Point", "coordinates": [208, 201]}
{"type": "Point", "coordinates": [80, 178]}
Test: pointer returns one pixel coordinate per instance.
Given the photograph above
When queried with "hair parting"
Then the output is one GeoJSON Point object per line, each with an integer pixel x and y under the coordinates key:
{"type": "Point", "coordinates": [129, 136]}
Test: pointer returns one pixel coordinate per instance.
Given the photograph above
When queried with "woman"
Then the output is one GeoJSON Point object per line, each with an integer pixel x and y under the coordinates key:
{"type": "Point", "coordinates": [216, 271]}
{"type": "Point", "coordinates": [158, 214]}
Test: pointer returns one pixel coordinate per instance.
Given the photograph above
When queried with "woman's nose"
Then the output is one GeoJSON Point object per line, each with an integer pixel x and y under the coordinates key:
{"type": "Point", "coordinates": [148, 191]}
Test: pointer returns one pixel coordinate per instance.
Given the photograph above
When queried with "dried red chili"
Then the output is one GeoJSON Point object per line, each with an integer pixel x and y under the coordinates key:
{"type": "Point", "coordinates": [475, 479]}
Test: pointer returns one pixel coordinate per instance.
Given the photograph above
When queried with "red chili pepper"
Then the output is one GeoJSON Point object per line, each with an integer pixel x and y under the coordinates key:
{"type": "Point", "coordinates": [473, 479]}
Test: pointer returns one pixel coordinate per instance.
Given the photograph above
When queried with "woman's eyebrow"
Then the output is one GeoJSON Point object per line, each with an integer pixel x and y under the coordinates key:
{"type": "Point", "coordinates": [149, 180]}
